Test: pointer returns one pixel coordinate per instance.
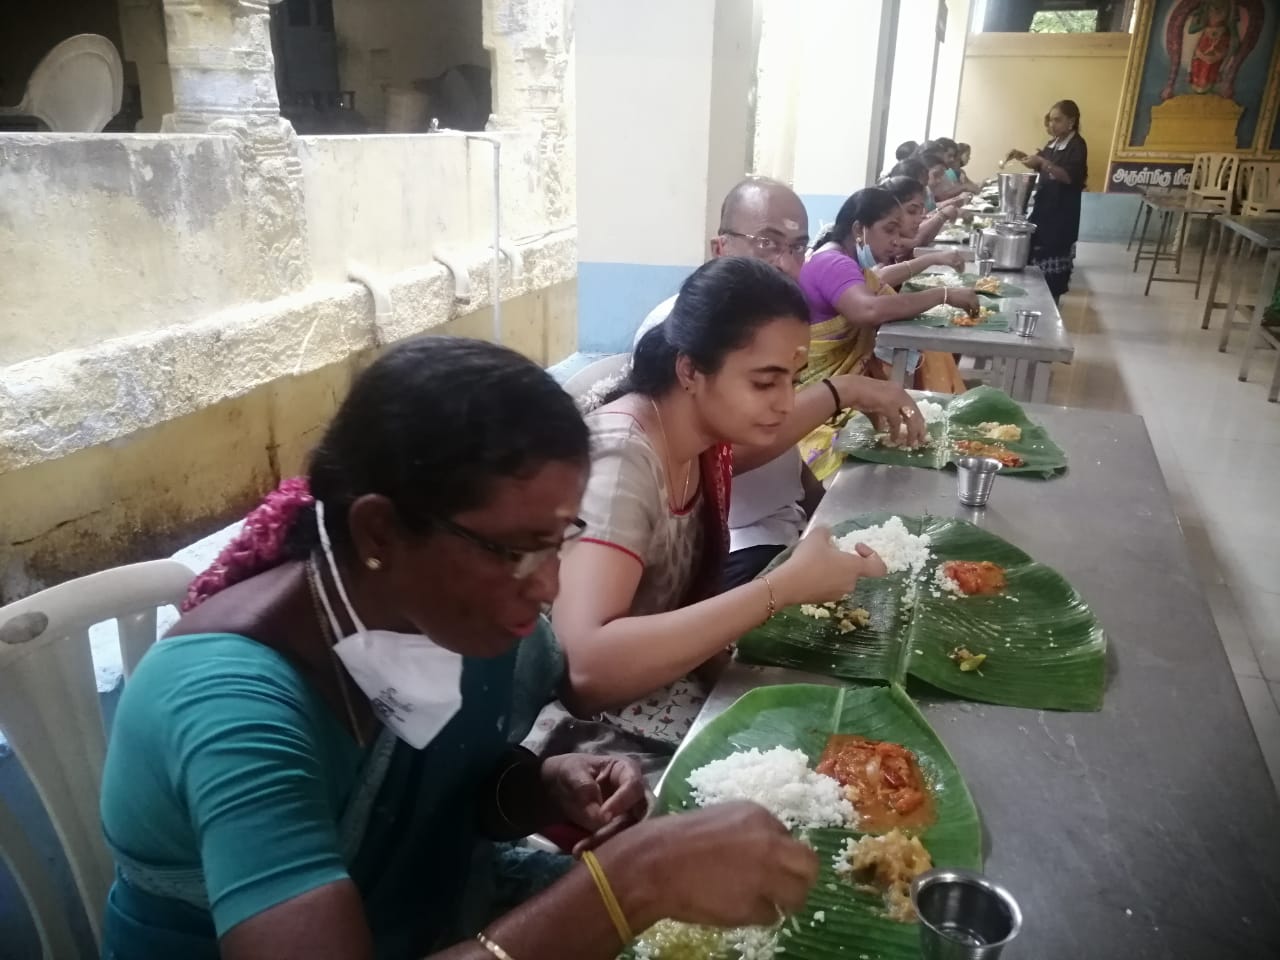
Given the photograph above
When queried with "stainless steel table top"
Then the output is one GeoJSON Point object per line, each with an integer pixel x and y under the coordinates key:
{"type": "Point", "coordinates": [1051, 343]}
{"type": "Point", "coordinates": [1264, 231]}
{"type": "Point", "coordinates": [1149, 829]}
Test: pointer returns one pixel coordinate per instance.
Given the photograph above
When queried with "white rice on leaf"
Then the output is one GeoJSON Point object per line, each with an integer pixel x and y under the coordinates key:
{"type": "Point", "coordinates": [780, 781]}
{"type": "Point", "coordinates": [898, 549]}
{"type": "Point", "coordinates": [932, 412]}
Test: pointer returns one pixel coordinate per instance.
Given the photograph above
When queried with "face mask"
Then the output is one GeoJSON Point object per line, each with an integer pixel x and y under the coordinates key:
{"type": "Point", "coordinates": [866, 260]}
{"type": "Point", "coordinates": [413, 684]}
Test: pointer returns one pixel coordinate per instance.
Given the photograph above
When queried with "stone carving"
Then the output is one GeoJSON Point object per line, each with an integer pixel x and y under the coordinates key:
{"type": "Point", "coordinates": [224, 83]}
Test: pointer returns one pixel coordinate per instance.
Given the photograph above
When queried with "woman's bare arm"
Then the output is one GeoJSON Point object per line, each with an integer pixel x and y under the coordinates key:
{"type": "Point", "coordinates": [863, 308]}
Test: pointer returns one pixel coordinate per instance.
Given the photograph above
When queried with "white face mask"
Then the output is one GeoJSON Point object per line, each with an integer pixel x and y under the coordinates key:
{"type": "Point", "coordinates": [414, 685]}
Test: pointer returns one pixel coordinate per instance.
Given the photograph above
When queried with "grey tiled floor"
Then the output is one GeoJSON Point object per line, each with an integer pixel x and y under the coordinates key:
{"type": "Point", "coordinates": [1218, 442]}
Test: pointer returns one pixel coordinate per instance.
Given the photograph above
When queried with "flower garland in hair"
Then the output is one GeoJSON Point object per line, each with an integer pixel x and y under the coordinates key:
{"type": "Point", "coordinates": [259, 546]}
{"type": "Point", "coordinates": [593, 398]}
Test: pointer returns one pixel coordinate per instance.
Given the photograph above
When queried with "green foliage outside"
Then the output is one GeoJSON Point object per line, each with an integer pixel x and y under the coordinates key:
{"type": "Point", "coordinates": [1065, 21]}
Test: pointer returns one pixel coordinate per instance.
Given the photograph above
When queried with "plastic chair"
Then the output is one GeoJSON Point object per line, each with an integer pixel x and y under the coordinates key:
{"type": "Point", "coordinates": [50, 714]}
{"type": "Point", "coordinates": [581, 382]}
{"type": "Point", "coordinates": [1213, 181]}
{"type": "Point", "coordinates": [1261, 195]}
{"type": "Point", "coordinates": [76, 88]}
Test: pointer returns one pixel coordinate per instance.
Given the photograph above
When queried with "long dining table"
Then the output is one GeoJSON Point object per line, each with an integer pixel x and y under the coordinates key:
{"type": "Point", "coordinates": [1149, 829]}
{"type": "Point", "coordinates": [1026, 361]}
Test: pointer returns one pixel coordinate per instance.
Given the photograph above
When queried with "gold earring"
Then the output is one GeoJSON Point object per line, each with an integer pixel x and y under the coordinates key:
{"type": "Point", "coordinates": [373, 563]}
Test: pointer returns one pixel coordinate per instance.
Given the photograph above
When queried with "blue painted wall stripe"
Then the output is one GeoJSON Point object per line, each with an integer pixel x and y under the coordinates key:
{"type": "Point", "coordinates": [614, 298]}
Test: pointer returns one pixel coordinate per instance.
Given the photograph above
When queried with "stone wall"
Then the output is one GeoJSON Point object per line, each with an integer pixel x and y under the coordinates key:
{"type": "Point", "coordinates": [180, 313]}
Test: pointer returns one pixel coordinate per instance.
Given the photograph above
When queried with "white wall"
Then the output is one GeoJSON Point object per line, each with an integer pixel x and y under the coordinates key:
{"type": "Point", "coordinates": [946, 93]}
{"type": "Point", "coordinates": [912, 75]}
{"type": "Point", "coordinates": [817, 74]}
{"type": "Point", "coordinates": [643, 83]}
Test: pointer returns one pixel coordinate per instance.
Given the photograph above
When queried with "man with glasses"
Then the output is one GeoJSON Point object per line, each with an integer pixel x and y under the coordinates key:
{"type": "Point", "coordinates": [765, 220]}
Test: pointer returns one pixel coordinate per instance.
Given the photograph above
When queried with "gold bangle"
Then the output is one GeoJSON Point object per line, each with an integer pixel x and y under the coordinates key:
{"type": "Point", "coordinates": [493, 948]}
{"type": "Point", "coordinates": [610, 901]}
{"type": "Point", "coordinates": [773, 603]}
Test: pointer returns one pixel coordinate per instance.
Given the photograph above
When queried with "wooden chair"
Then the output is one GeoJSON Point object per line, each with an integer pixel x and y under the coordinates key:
{"type": "Point", "coordinates": [50, 714]}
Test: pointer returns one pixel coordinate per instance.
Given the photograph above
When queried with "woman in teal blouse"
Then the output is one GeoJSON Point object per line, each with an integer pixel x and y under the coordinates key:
{"type": "Point", "coordinates": [308, 765]}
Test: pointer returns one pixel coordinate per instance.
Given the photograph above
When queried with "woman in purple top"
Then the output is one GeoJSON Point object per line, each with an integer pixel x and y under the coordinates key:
{"type": "Point", "coordinates": [850, 297]}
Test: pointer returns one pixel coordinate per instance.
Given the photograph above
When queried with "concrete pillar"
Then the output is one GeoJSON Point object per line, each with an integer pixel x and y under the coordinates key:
{"type": "Point", "coordinates": [664, 128]}
{"type": "Point", "coordinates": [220, 61]}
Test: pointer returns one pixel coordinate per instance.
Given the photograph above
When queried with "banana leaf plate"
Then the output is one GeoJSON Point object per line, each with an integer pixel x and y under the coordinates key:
{"type": "Point", "coordinates": [1044, 647]}
{"type": "Point", "coordinates": [961, 416]}
{"type": "Point", "coordinates": [802, 717]}
{"type": "Point", "coordinates": [925, 281]}
{"type": "Point", "coordinates": [944, 316]}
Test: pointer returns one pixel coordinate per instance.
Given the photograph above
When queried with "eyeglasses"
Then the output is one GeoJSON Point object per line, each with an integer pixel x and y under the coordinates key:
{"type": "Point", "coordinates": [769, 248]}
{"type": "Point", "coordinates": [524, 563]}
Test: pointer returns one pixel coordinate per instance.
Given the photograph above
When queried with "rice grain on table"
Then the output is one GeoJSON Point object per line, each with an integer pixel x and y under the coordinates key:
{"type": "Point", "coordinates": [780, 781]}
{"type": "Point", "coordinates": [899, 549]}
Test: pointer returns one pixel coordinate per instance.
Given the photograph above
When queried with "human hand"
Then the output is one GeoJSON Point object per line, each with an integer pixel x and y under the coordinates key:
{"type": "Point", "coordinates": [888, 406]}
{"type": "Point", "coordinates": [964, 297]}
{"type": "Point", "coordinates": [1034, 162]}
{"type": "Point", "coordinates": [819, 571]}
{"type": "Point", "coordinates": [601, 794]}
{"type": "Point", "coordinates": [731, 865]}
{"type": "Point", "coordinates": [951, 258]}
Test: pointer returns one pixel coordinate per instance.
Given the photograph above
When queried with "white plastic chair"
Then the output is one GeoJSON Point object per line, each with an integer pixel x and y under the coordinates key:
{"type": "Point", "coordinates": [595, 371]}
{"type": "Point", "coordinates": [1261, 196]}
{"type": "Point", "coordinates": [1213, 181]}
{"type": "Point", "coordinates": [76, 88]}
{"type": "Point", "coordinates": [50, 714]}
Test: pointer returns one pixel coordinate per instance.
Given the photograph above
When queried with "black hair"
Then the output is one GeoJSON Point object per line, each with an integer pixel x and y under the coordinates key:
{"type": "Point", "coordinates": [943, 144]}
{"type": "Point", "coordinates": [903, 188]}
{"type": "Point", "coordinates": [931, 158]}
{"type": "Point", "coordinates": [906, 149]}
{"type": "Point", "coordinates": [868, 206]}
{"type": "Point", "coordinates": [912, 167]}
{"type": "Point", "coordinates": [1070, 110]}
{"type": "Point", "coordinates": [720, 307]}
{"type": "Point", "coordinates": [430, 425]}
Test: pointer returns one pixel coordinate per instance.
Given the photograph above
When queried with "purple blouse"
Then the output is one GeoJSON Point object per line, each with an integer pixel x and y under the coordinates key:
{"type": "Point", "coordinates": [823, 278]}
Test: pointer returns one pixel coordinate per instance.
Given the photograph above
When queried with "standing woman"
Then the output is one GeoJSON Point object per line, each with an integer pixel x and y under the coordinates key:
{"type": "Point", "coordinates": [1063, 165]}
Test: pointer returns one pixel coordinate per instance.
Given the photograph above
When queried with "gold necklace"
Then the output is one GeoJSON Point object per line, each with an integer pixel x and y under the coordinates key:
{"type": "Point", "coordinates": [666, 445]}
{"type": "Point", "coordinates": [327, 638]}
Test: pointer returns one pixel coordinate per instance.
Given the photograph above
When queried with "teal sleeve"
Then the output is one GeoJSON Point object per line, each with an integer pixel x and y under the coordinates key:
{"type": "Point", "coordinates": [539, 677]}
{"type": "Point", "coordinates": [247, 759]}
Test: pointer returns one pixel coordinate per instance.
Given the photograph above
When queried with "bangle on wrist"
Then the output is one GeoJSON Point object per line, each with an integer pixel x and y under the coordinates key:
{"type": "Point", "coordinates": [773, 600]}
{"type": "Point", "coordinates": [493, 948]}
{"type": "Point", "coordinates": [611, 905]}
{"type": "Point", "coordinates": [835, 395]}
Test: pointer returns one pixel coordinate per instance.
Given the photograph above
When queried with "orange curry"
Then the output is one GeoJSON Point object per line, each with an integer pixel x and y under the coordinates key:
{"type": "Point", "coordinates": [882, 780]}
{"type": "Point", "coordinates": [976, 576]}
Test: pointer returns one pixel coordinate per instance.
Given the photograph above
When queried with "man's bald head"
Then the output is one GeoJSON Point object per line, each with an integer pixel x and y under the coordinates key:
{"type": "Point", "coordinates": [763, 218]}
